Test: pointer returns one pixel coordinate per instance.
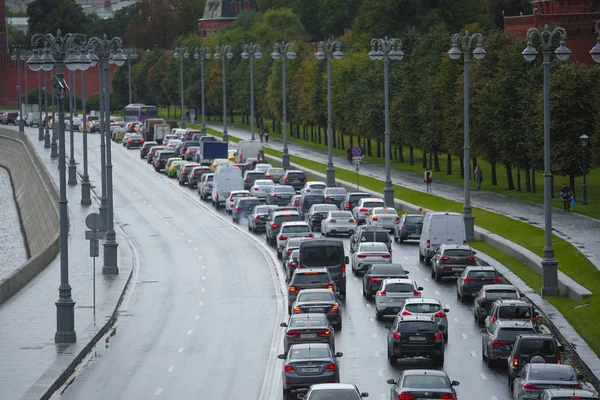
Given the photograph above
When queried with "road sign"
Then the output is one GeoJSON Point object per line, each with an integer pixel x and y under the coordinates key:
{"type": "Point", "coordinates": [357, 151]}
{"type": "Point", "coordinates": [94, 222]}
{"type": "Point", "coordinates": [357, 160]}
{"type": "Point", "coordinates": [94, 248]}
{"type": "Point", "coordinates": [192, 111]}
{"type": "Point", "coordinates": [94, 235]}
{"type": "Point", "coordinates": [357, 166]}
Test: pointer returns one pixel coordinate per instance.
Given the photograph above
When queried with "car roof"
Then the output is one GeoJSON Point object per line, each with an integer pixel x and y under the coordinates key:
{"type": "Point", "coordinates": [295, 171]}
{"type": "Point", "coordinates": [456, 246]}
{"type": "Point", "coordinates": [372, 244]}
{"type": "Point", "coordinates": [537, 336]}
{"type": "Point", "coordinates": [239, 191]}
{"type": "Point", "coordinates": [316, 183]}
{"type": "Point", "coordinates": [357, 193]}
{"type": "Point", "coordinates": [513, 302]}
{"type": "Point", "coordinates": [365, 199]}
{"type": "Point", "coordinates": [295, 223]}
{"type": "Point", "coordinates": [268, 182]}
{"type": "Point", "coordinates": [284, 212]}
{"type": "Point", "coordinates": [577, 393]}
{"type": "Point", "coordinates": [549, 366]}
{"type": "Point", "coordinates": [422, 301]}
{"type": "Point", "coordinates": [433, 372]}
{"type": "Point", "coordinates": [308, 346]}
{"type": "Point", "coordinates": [244, 199]}
{"type": "Point", "coordinates": [480, 268]}
{"type": "Point", "coordinates": [309, 316]}
{"type": "Point", "coordinates": [333, 386]}
{"type": "Point", "coordinates": [372, 228]}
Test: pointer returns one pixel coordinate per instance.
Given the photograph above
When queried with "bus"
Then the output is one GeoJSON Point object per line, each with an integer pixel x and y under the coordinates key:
{"type": "Point", "coordinates": [139, 112]}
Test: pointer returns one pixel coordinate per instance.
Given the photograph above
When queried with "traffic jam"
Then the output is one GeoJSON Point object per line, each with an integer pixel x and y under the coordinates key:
{"type": "Point", "coordinates": [337, 247]}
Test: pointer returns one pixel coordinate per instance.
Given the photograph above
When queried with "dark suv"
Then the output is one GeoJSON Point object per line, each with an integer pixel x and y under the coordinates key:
{"type": "Point", "coordinates": [294, 178]}
{"type": "Point", "coordinates": [378, 272]}
{"type": "Point", "coordinates": [308, 278]}
{"type": "Point", "coordinates": [161, 159]}
{"type": "Point", "coordinates": [488, 295]}
{"type": "Point", "coordinates": [276, 219]}
{"type": "Point", "coordinates": [250, 177]}
{"type": "Point", "coordinates": [473, 279]}
{"type": "Point", "coordinates": [415, 336]}
{"type": "Point", "coordinates": [351, 199]}
{"type": "Point", "coordinates": [528, 346]}
{"type": "Point", "coordinates": [450, 260]}
{"type": "Point", "coordinates": [511, 309]}
{"type": "Point", "coordinates": [146, 148]}
{"type": "Point", "coordinates": [369, 234]}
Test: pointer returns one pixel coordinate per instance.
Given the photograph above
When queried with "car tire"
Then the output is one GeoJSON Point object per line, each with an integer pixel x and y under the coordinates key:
{"type": "Point", "coordinates": [156, 169]}
{"type": "Point", "coordinates": [364, 291]}
{"type": "Point", "coordinates": [437, 276]}
{"type": "Point", "coordinates": [458, 296]}
{"type": "Point", "coordinates": [393, 360]}
{"type": "Point", "coordinates": [180, 184]}
{"type": "Point", "coordinates": [439, 361]}
{"type": "Point", "coordinates": [421, 258]}
{"type": "Point", "coordinates": [400, 240]}
{"type": "Point", "coordinates": [368, 296]}
{"type": "Point", "coordinates": [324, 233]}
{"type": "Point", "coordinates": [377, 316]}
{"type": "Point", "coordinates": [428, 262]}
{"type": "Point", "coordinates": [249, 228]}
{"type": "Point", "coordinates": [339, 327]}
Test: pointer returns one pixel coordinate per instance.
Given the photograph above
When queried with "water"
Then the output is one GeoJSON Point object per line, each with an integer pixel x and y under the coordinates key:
{"type": "Point", "coordinates": [12, 246]}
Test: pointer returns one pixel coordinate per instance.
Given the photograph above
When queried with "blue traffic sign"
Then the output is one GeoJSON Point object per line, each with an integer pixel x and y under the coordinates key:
{"type": "Point", "coordinates": [357, 151]}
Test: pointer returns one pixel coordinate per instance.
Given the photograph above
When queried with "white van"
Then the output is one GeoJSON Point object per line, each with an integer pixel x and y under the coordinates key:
{"type": "Point", "coordinates": [247, 149]}
{"type": "Point", "coordinates": [228, 177]}
{"type": "Point", "coordinates": [440, 228]}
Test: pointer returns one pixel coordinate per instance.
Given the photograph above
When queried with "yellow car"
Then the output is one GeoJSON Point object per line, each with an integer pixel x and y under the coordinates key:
{"type": "Point", "coordinates": [171, 162]}
{"type": "Point", "coordinates": [216, 163]}
{"type": "Point", "coordinates": [232, 156]}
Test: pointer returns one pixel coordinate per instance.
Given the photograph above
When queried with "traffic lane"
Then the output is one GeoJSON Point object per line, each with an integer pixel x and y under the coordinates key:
{"type": "Point", "coordinates": [197, 280]}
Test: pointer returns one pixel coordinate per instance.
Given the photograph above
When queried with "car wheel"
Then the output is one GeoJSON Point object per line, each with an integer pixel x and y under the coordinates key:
{"type": "Point", "coordinates": [377, 316]}
{"type": "Point", "coordinates": [339, 327]}
{"type": "Point", "coordinates": [324, 233]}
{"type": "Point", "coordinates": [458, 296]}
{"type": "Point", "coordinates": [369, 296]}
{"type": "Point", "coordinates": [364, 292]}
{"type": "Point", "coordinates": [439, 361]}
{"type": "Point", "coordinates": [400, 240]}
{"type": "Point", "coordinates": [428, 262]}
{"type": "Point", "coordinates": [446, 337]}
{"type": "Point", "coordinates": [249, 228]}
{"type": "Point", "coordinates": [432, 274]}
{"type": "Point", "coordinates": [510, 384]}
{"type": "Point", "coordinates": [180, 184]}
{"type": "Point", "coordinates": [421, 258]}
{"type": "Point", "coordinates": [156, 169]}
{"type": "Point", "coordinates": [437, 276]}
{"type": "Point", "coordinates": [392, 359]}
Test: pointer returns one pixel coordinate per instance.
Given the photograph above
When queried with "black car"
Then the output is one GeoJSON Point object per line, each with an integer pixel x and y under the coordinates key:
{"type": "Point", "coordinates": [280, 195]}
{"type": "Point", "coordinates": [415, 336]}
{"type": "Point", "coordinates": [161, 161]}
{"type": "Point", "coordinates": [146, 148]}
{"type": "Point", "coordinates": [498, 339]}
{"type": "Point", "coordinates": [409, 227]}
{"type": "Point", "coordinates": [317, 213]}
{"type": "Point", "coordinates": [473, 279]}
{"type": "Point", "coordinates": [308, 278]}
{"type": "Point", "coordinates": [319, 301]}
{"type": "Point", "coordinates": [335, 195]}
{"type": "Point", "coordinates": [294, 178]}
{"type": "Point", "coordinates": [242, 207]}
{"type": "Point", "coordinates": [378, 272]}
{"type": "Point", "coordinates": [196, 174]}
{"type": "Point", "coordinates": [10, 118]}
{"type": "Point", "coordinates": [250, 177]}
{"type": "Point", "coordinates": [423, 383]}
{"type": "Point", "coordinates": [183, 175]}
{"type": "Point", "coordinates": [449, 260]}
{"type": "Point", "coordinates": [258, 219]}
{"type": "Point", "coordinates": [307, 328]}
{"type": "Point", "coordinates": [134, 141]}
{"type": "Point", "coordinates": [526, 347]}
{"type": "Point", "coordinates": [182, 147]}
{"type": "Point", "coordinates": [152, 152]}
{"type": "Point", "coordinates": [326, 253]}
{"type": "Point", "coordinates": [309, 364]}
{"type": "Point", "coordinates": [368, 234]}
{"type": "Point", "coordinates": [351, 200]}
{"type": "Point", "coordinates": [488, 295]}
{"type": "Point", "coordinates": [274, 222]}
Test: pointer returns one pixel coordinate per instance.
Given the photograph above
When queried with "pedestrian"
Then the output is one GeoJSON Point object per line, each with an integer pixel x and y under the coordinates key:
{"type": "Point", "coordinates": [478, 177]}
{"type": "Point", "coordinates": [428, 178]}
{"type": "Point", "coordinates": [349, 154]}
{"type": "Point", "coordinates": [567, 197]}
{"type": "Point", "coordinates": [260, 134]}
{"type": "Point", "coordinates": [267, 135]}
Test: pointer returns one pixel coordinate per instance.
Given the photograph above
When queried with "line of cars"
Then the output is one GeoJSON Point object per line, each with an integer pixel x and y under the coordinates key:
{"type": "Point", "coordinates": [315, 270]}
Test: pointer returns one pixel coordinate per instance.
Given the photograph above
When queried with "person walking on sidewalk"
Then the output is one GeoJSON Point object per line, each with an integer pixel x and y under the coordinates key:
{"type": "Point", "coordinates": [260, 134]}
{"type": "Point", "coordinates": [266, 133]}
{"type": "Point", "coordinates": [478, 177]}
{"type": "Point", "coordinates": [349, 154]}
{"type": "Point", "coordinates": [428, 178]}
{"type": "Point", "coordinates": [567, 196]}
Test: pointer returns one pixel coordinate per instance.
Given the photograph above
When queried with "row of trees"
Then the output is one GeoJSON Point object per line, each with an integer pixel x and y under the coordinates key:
{"type": "Point", "coordinates": [426, 93]}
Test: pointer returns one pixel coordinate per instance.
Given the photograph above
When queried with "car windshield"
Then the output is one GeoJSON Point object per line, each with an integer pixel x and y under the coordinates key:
{"type": "Point", "coordinates": [510, 334]}
{"type": "Point", "coordinates": [255, 175]}
{"type": "Point", "coordinates": [307, 354]}
{"type": "Point", "coordinates": [295, 175]}
{"type": "Point", "coordinates": [372, 204]}
{"type": "Point", "coordinates": [552, 374]}
{"type": "Point", "coordinates": [373, 248]}
{"type": "Point", "coordinates": [284, 189]}
{"type": "Point", "coordinates": [325, 255]}
{"type": "Point", "coordinates": [275, 170]}
{"type": "Point", "coordinates": [234, 195]}
{"type": "Point", "coordinates": [295, 242]}
{"type": "Point", "coordinates": [423, 308]}
{"type": "Point", "coordinates": [537, 346]}
{"type": "Point", "coordinates": [342, 214]}
{"type": "Point", "coordinates": [387, 270]}
{"type": "Point", "coordinates": [380, 237]}
{"type": "Point", "coordinates": [285, 218]}
{"type": "Point", "coordinates": [310, 200]}
{"type": "Point", "coordinates": [325, 295]}
{"type": "Point", "coordinates": [262, 210]}
{"type": "Point", "coordinates": [303, 322]}
{"type": "Point", "coordinates": [458, 252]}
{"type": "Point", "coordinates": [482, 274]}
{"type": "Point", "coordinates": [501, 294]}
{"type": "Point", "coordinates": [301, 279]}
{"type": "Point", "coordinates": [334, 394]}
{"type": "Point", "coordinates": [354, 198]}
{"type": "Point", "coordinates": [295, 229]}
{"type": "Point", "coordinates": [210, 178]}
{"type": "Point", "coordinates": [515, 312]}
{"type": "Point", "coordinates": [425, 382]}
{"type": "Point", "coordinates": [399, 287]}
{"type": "Point", "coordinates": [417, 326]}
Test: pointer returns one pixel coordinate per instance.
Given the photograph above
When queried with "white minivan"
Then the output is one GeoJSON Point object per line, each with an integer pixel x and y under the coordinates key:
{"type": "Point", "coordinates": [228, 177]}
{"type": "Point", "coordinates": [247, 149]}
{"type": "Point", "coordinates": [440, 228]}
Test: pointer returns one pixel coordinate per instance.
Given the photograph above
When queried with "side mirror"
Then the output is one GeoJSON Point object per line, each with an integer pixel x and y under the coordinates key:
{"type": "Point", "coordinates": [283, 325]}
{"type": "Point", "coordinates": [295, 260]}
{"type": "Point", "coordinates": [300, 395]}
{"type": "Point", "coordinates": [446, 310]}
{"type": "Point", "coordinates": [351, 250]}
{"type": "Point", "coordinates": [282, 356]}
{"type": "Point", "coordinates": [407, 272]}
{"type": "Point", "coordinates": [391, 381]}
{"type": "Point", "coordinates": [339, 354]}
{"type": "Point", "coordinates": [364, 394]}
{"type": "Point", "coordinates": [387, 326]}
{"type": "Point", "coordinates": [346, 260]}
{"type": "Point", "coordinates": [537, 314]}
{"type": "Point", "coordinates": [420, 288]}
{"type": "Point", "coordinates": [455, 383]}
{"type": "Point", "coordinates": [474, 252]}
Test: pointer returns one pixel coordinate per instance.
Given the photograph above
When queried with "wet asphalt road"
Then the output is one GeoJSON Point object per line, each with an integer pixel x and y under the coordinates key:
{"type": "Point", "coordinates": [203, 311]}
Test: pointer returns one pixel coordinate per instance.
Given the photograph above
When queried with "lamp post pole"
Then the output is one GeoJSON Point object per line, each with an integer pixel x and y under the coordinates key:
{"type": "Point", "coordinates": [549, 263]}
{"type": "Point", "coordinates": [328, 50]}
{"type": "Point", "coordinates": [222, 52]}
{"type": "Point", "coordinates": [40, 127]}
{"type": "Point", "coordinates": [202, 53]}
{"type": "Point", "coordinates": [454, 53]}
{"type": "Point", "coordinates": [387, 49]}
{"type": "Point", "coordinates": [24, 56]}
{"type": "Point", "coordinates": [102, 210]}
{"type": "Point", "coordinates": [46, 120]}
{"type": "Point", "coordinates": [54, 143]}
{"type": "Point", "coordinates": [85, 178]}
{"type": "Point", "coordinates": [181, 53]}
{"type": "Point", "coordinates": [17, 52]}
{"type": "Point", "coordinates": [72, 165]}
{"type": "Point", "coordinates": [284, 51]}
{"type": "Point", "coordinates": [251, 52]}
{"type": "Point", "coordinates": [57, 58]}
{"type": "Point", "coordinates": [131, 54]}
{"type": "Point", "coordinates": [584, 139]}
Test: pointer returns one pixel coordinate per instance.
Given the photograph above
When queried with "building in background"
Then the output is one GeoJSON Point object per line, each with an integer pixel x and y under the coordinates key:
{"type": "Point", "coordinates": [19, 23]}
{"type": "Point", "coordinates": [578, 17]}
{"type": "Point", "coordinates": [219, 13]}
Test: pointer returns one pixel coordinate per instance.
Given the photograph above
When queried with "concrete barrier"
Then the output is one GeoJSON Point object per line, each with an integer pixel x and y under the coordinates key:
{"type": "Point", "coordinates": [566, 285]}
{"type": "Point", "coordinates": [37, 202]}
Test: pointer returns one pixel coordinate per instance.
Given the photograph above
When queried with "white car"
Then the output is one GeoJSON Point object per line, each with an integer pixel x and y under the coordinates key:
{"type": "Point", "coordinates": [262, 168]}
{"type": "Point", "coordinates": [314, 187]}
{"type": "Point", "coordinates": [234, 195]}
{"type": "Point", "coordinates": [370, 253]}
{"type": "Point", "coordinates": [383, 217]}
{"type": "Point", "coordinates": [363, 207]}
{"type": "Point", "coordinates": [262, 188]}
{"type": "Point", "coordinates": [289, 230]}
{"type": "Point", "coordinates": [338, 223]}
{"type": "Point", "coordinates": [392, 294]}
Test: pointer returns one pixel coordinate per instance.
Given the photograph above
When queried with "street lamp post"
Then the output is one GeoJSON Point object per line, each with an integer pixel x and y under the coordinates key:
{"type": "Point", "coordinates": [40, 127]}
{"type": "Point", "coordinates": [328, 50]}
{"type": "Point", "coordinates": [181, 53]}
{"type": "Point", "coordinates": [387, 49]}
{"type": "Point", "coordinates": [549, 263]}
{"type": "Point", "coordinates": [251, 52]}
{"type": "Point", "coordinates": [72, 165]}
{"type": "Point", "coordinates": [46, 119]}
{"type": "Point", "coordinates": [455, 52]}
{"type": "Point", "coordinates": [57, 58]}
{"type": "Point", "coordinates": [85, 178]}
{"type": "Point", "coordinates": [54, 143]}
{"type": "Point", "coordinates": [17, 53]}
{"type": "Point", "coordinates": [102, 210]}
{"type": "Point", "coordinates": [24, 57]}
{"type": "Point", "coordinates": [584, 139]}
{"type": "Point", "coordinates": [131, 54]}
{"type": "Point", "coordinates": [223, 52]}
{"type": "Point", "coordinates": [595, 52]}
{"type": "Point", "coordinates": [103, 49]}
{"type": "Point", "coordinates": [284, 51]}
{"type": "Point", "coordinates": [202, 53]}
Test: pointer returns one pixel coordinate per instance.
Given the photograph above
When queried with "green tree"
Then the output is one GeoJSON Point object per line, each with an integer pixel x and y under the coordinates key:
{"type": "Point", "coordinates": [47, 16]}
{"type": "Point", "coordinates": [115, 26]}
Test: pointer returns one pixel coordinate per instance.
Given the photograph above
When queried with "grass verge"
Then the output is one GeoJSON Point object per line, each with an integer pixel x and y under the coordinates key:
{"type": "Point", "coordinates": [571, 261]}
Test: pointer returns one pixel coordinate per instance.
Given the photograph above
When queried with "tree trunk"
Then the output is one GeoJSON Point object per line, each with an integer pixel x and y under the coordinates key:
{"type": "Point", "coordinates": [461, 160]}
{"type": "Point", "coordinates": [298, 130]}
{"type": "Point", "coordinates": [474, 162]}
{"type": "Point", "coordinates": [351, 141]}
{"type": "Point", "coordinates": [411, 156]}
{"type": "Point", "coordinates": [319, 134]}
{"type": "Point", "coordinates": [369, 147]}
{"type": "Point", "coordinates": [533, 188]}
{"type": "Point", "coordinates": [395, 154]}
{"type": "Point", "coordinates": [518, 179]}
{"type": "Point", "coordinates": [378, 149]}
{"type": "Point", "coordinates": [528, 180]}
{"type": "Point", "coordinates": [494, 175]}
{"type": "Point", "coordinates": [430, 160]}
{"type": "Point", "coordinates": [572, 184]}
{"type": "Point", "coordinates": [342, 141]}
{"type": "Point", "coordinates": [273, 126]}
{"type": "Point", "coordinates": [424, 160]}
{"type": "Point", "coordinates": [509, 177]}
{"type": "Point", "coordinates": [168, 111]}
{"type": "Point", "coordinates": [448, 164]}
{"type": "Point", "coordinates": [436, 162]}
{"type": "Point", "coordinates": [401, 153]}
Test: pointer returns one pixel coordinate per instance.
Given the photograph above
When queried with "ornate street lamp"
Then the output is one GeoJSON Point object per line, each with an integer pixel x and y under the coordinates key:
{"type": "Point", "coordinates": [387, 49]}
{"type": "Point", "coordinates": [181, 53]}
{"type": "Point", "coordinates": [202, 53]}
{"type": "Point", "coordinates": [222, 52]}
{"type": "Point", "coordinates": [284, 51]}
{"type": "Point", "coordinates": [85, 178]}
{"type": "Point", "coordinates": [549, 263]}
{"type": "Point", "coordinates": [40, 127]}
{"type": "Point", "coordinates": [131, 54]}
{"type": "Point", "coordinates": [328, 50]}
{"type": "Point", "coordinates": [251, 52]}
{"type": "Point", "coordinates": [455, 52]}
{"type": "Point", "coordinates": [595, 52]}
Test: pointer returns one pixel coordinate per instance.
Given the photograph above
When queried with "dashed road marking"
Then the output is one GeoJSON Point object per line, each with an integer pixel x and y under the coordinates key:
{"type": "Point", "coordinates": [464, 335]}
{"type": "Point", "coordinates": [406, 258]}
{"type": "Point", "coordinates": [202, 290]}
{"type": "Point", "coordinates": [190, 332]}
{"type": "Point", "coordinates": [200, 257]}
{"type": "Point", "coordinates": [436, 292]}
{"type": "Point", "coordinates": [158, 392]}
{"type": "Point", "coordinates": [367, 305]}
{"type": "Point", "coordinates": [426, 279]}
{"type": "Point", "coordinates": [375, 335]}
{"type": "Point", "coordinates": [189, 240]}
{"type": "Point", "coordinates": [171, 368]}
{"type": "Point", "coordinates": [149, 205]}
{"type": "Point", "coordinates": [197, 317]}
{"type": "Point", "coordinates": [372, 319]}
{"type": "Point", "coordinates": [473, 354]}
{"type": "Point", "coordinates": [143, 201]}
{"type": "Point", "coordinates": [181, 234]}
{"type": "Point", "coordinates": [180, 350]}
{"type": "Point", "coordinates": [202, 266]}
{"type": "Point", "coordinates": [380, 373]}
{"type": "Point", "coordinates": [455, 319]}
{"type": "Point", "coordinates": [168, 223]}
{"type": "Point", "coordinates": [377, 354]}
{"type": "Point", "coordinates": [493, 398]}
{"type": "Point", "coordinates": [195, 248]}
{"type": "Point", "coordinates": [204, 278]}
{"type": "Point", "coordinates": [200, 303]}
{"type": "Point", "coordinates": [483, 376]}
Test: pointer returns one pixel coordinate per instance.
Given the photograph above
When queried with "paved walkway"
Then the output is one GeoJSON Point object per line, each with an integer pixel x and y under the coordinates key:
{"type": "Point", "coordinates": [30, 361]}
{"type": "Point", "coordinates": [583, 232]}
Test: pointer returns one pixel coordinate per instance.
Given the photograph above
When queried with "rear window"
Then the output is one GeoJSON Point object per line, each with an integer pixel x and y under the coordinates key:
{"type": "Point", "coordinates": [310, 200]}
{"type": "Point", "coordinates": [515, 312]}
{"type": "Point", "coordinates": [417, 326]}
{"type": "Point", "coordinates": [337, 394]}
{"type": "Point", "coordinates": [166, 156]}
{"type": "Point", "coordinates": [387, 270]}
{"type": "Point", "coordinates": [373, 247]}
{"type": "Point", "coordinates": [426, 382]}
{"type": "Point", "coordinates": [458, 252]}
{"type": "Point", "coordinates": [423, 308]}
{"type": "Point", "coordinates": [335, 191]}
{"type": "Point", "coordinates": [262, 210]}
{"type": "Point", "coordinates": [307, 322]}
{"type": "Point", "coordinates": [264, 182]}
{"type": "Point", "coordinates": [399, 287]}
{"type": "Point", "coordinates": [533, 346]}
{"type": "Point", "coordinates": [353, 198]}
{"type": "Point", "coordinates": [371, 204]}
{"type": "Point", "coordinates": [324, 207]}
{"type": "Point", "coordinates": [510, 334]}
{"type": "Point", "coordinates": [295, 229]}
{"type": "Point", "coordinates": [307, 354]}
{"type": "Point", "coordinates": [379, 237]}
{"type": "Point", "coordinates": [500, 294]}
{"type": "Point", "coordinates": [192, 144]}
{"type": "Point", "coordinates": [553, 374]}
{"type": "Point", "coordinates": [296, 175]}
{"type": "Point", "coordinates": [255, 175]}
{"type": "Point", "coordinates": [235, 195]}
{"type": "Point", "coordinates": [327, 256]}
{"type": "Point", "coordinates": [285, 218]}
{"type": "Point", "coordinates": [295, 242]}
{"type": "Point", "coordinates": [482, 274]}
{"type": "Point", "coordinates": [320, 186]}
{"type": "Point", "coordinates": [284, 189]}
{"type": "Point", "coordinates": [248, 203]}
{"type": "Point", "coordinates": [319, 277]}
{"type": "Point", "coordinates": [325, 295]}
{"type": "Point", "coordinates": [210, 178]}
{"type": "Point", "coordinates": [342, 214]}
{"type": "Point", "coordinates": [389, 211]}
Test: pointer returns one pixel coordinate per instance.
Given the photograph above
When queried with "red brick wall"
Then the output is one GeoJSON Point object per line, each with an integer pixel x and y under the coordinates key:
{"type": "Point", "coordinates": [206, 27]}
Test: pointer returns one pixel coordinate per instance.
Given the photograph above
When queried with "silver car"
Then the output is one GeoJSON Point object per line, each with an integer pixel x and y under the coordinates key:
{"type": "Point", "coordinates": [383, 217]}
{"type": "Point", "coordinates": [338, 223]}
{"type": "Point", "coordinates": [205, 186]}
{"type": "Point", "coordinates": [393, 293]}
{"type": "Point", "coordinates": [419, 306]}
{"type": "Point", "coordinates": [262, 188]}
{"type": "Point", "coordinates": [314, 187]}
{"type": "Point", "coordinates": [275, 174]}
{"type": "Point", "coordinates": [289, 230]}
{"type": "Point", "coordinates": [363, 207]}
{"type": "Point", "coordinates": [371, 253]}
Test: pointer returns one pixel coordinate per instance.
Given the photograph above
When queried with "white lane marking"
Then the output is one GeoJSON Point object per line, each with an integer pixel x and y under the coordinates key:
{"type": "Point", "coordinates": [375, 335]}
{"type": "Point", "coordinates": [493, 398]}
{"type": "Point", "coordinates": [204, 278]}
{"type": "Point", "coordinates": [355, 278]}
{"type": "Point", "coordinates": [359, 291]}
{"type": "Point", "coordinates": [197, 317]}
{"type": "Point", "coordinates": [464, 335]}
{"type": "Point", "coordinates": [155, 212]}
{"type": "Point", "coordinates": [383, 396]}
{"type": "Point", "coordinates": [195, 248]}
{"type": "Point", "coordinates": [171, 368]}
{"type": "Point", "coordinates": [436, 292]}
{"type": "Point", "coordinates": [190, 332]}
{"type": "Point", "coordinates": [473, 354]}
{"type": "Point", "coordinates": [158, 392]}
{"type": "Point", "coordinates": [455, 319]}
{"type": "Point", "coordinates": [203, 266]}
{"type": "Point", "coordinates": [367, 305]}
{"type": "Point", "coordinates": [377, 354]}
{"type": "Point", "coordinates": [426, 279]}
{"type": "Point", "coordinates": [200, 257]}
{"type": "Point", "coordinates": [189, 240]}
{"type": "Point", "coordinates": [168, 223]}
{"type": "Point", "coordinates": [202, 290]}
{"type": "Point", "coordinates": [143, 201]}
{"type": "Point", "coordinates": [380, 373]}
{"type": "Point", "coordinates": [200, 303]}
{"type": "Point", "coordinates": [406, 258]}
{"type": "Point", "coordinates": [181, 234]}
{"type": "Point", "coordinates": [483, 376]}
{"type": "Point", "coordinates": [180, 350]}
{"type": "Point", "coordinates": [149, 205]}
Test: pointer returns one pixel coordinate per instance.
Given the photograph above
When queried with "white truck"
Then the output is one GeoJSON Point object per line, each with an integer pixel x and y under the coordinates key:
{"type": "Point", "coordinates": [247, 149]}
{"type": "Point", "coordinates": [228, 177]}
{"type": "Point", "coordinates": [160, 131]}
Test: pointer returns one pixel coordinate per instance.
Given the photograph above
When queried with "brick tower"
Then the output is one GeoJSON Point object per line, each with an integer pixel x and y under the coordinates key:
{"type": "Point", "coordinates": [218, 13]}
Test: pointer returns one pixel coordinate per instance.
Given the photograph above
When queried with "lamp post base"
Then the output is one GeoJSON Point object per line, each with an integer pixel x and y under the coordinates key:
{"type": "Point", "coordinates": [40, 132]}
{"type": "Point", "coordinates": [330, 171]}
{"type": "Point", "coordinates": [72, 174]}
{"type": "Point", "coordinates": [549, 274]}
{"type": "Point", "coordinates": [65, 320]}
{"type": "Point", "coordinates": [469, 226]}
{"type": "Point", "coordinates": [54, 150]}
{"type": "Point", "coordinates": [21, 127]}
{"type": "Point", "coordinates": [47, 140]}
{"type": "Point", "coordinates": [103, 211]}
{"type": "Point", "coordinates": [86, 193]}
{"type": "Point", "coordinates": [285, 160]}
{"type": "Point", "coordinates": [388, 195]}
{"type": "Point", "coordinates": [550, 291]}
{"type": "Point", "coordinates": [110, 257]}
{"type": "Point", "coordinates": [584, 194]}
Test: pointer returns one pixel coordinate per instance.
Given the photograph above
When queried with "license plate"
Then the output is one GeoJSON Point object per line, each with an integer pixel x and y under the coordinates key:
{"type": "Point", "coordinates": [311, 370]}
{"type": "Point", "coordinates": [418, 338]}
{"type": "Point", "coordinates": [341, 228]}
{"type": "Point", "coordinates": [457, 269]}
{"type": "Point", "coordinates": [316, 309]}
{"type": "Point", "coordinates": [397, 299]}
{"type": "Point", "coordinates": [308, 335]}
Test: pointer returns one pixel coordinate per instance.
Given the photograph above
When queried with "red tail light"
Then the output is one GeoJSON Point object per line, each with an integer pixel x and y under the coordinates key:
{"type": "Point", "coordinates": [309, 236]}
{"type": "Point", "coordinates": [498, 342]}
{"type": "Point", "coordinates": [343, 268]}
{"type": "Point", "coordinates": [396, 335]}
{"type": "Point", "coordinates": [428, 245]}
{"type": "Point", "coordinates": [438, 335]}
{"type": "Point", "coordinates": [282, 237]}
{"type": "Point", "coordinates": [363, 210]}
{"type": "Point", "coordinates": [230, 198]}
{"type": "Point", "coordinates": [289, 368]}
{"type": "Point", "coordinates": [440, 314]}
{"type": "Point", "coordinates": [374, 280]}
{"type": "Point", "coordinates": [528, 386]}
{"type": "Point", "coordinates": [348, 206]}
{"type": "Point", "coordinates": [292, 334]}
{"type": "Point", "coordinates": [308, 189]}
{"type": "Point", "coordinates": [130, 140]}
{"type": "Point", "coordinates": [286, 180]}
{"type": "Point", "coordinates": [416, 293]}
{"type": "Point", "coordinates": [497, 280]}
{"type": "Point", "coordinates": [193, 174]}
{"type": "Point", "coordinates": [447, 396]}
{"type": "Point", "coordinates": [468, 280]}
{"type": "Point", "coordinates": [362, 256]}
{"type": "Point", "coordinates": [471, 258]}
{"type": "Point", "coordinates": [406, 313]}
{"type": "Point", "coordinates": [141, 140]}
{"type": "Point", "coordinates": [444, 258]}
{"type": "Point", "coordinates": [246, 181]}
{"type": "Point", "coordinates": [397, 219]}
{"type": "Point", "coordinates": [274, 196]}
{"type": "Point", "coordinates": [184, 172]}
{"type": "Point", "coordinates": [494, 319]}
{"type": "Point", "coordinates": [464, 241]}
{"type": "Point", "coordinates": [255, 188]}
{"type": "Point", "coordinates": [382, 292]}
{"type": "Point", "coordinates": [257, 218]}
{"type": "Point", "coordinates": [184, 149]}
{"type": "Point", "coordinates": [327, 198]}
{"type": "Point", "coordinates": [274, 226]}
{"type": "Point", "coordinates": [293, 289]}
{"type": "Point", "coordinates": [297, 309]}
{"type": "Point", "coordinates": [289, 252]}
{"type": "Point", "coordinates": [334, 308]}
{"type": "Point", "coordinates": [305, 180]}
{"type": "Point", "coordinates": [516, 360]}
{"type": "Point", "coordinates": [385, 256]}
{"type": "Point", "coordinates": [238, 209]}
{"type": "Point", "coordinates": [330, 287]}
{"type": "Point", "coordinates": [324, 333]}
{"type": "Point", "coordinates": [403, 225]}
{"type": "Point", "coordinates": [187, 152]}
{"type": "Point", "coordinates": [375, 218]}
{"type": "Point", "coordinates": [331, 367]}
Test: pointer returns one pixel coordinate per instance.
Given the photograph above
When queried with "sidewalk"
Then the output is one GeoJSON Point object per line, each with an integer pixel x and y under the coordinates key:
{"type": "Point", "coordinates": [30, 361]}
{"type": "Point", "coordinates": [581, 231]}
